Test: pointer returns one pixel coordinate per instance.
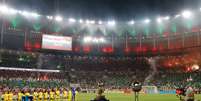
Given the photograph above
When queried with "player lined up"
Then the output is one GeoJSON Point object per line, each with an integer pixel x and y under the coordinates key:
{"type": "Point", "coordinates": [38, 94]}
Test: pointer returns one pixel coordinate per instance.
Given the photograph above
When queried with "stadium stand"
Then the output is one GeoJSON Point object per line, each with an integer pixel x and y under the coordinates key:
{"type": "Point", "coordinates": [87, 71]}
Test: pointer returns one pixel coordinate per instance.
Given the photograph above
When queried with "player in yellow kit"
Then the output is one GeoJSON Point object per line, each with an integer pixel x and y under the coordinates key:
{"type": "Point", "coordinates": [52, 95]}
{"type": "Point", "coordinates": [70, 95]}
{"type": "Point", "coordinates": [19, 95]}
{"type": "Point", "coordinates": [57, 96]}
{"type": "Point", "coordinates": [76, 93]}
{"type": "Point", "coordinates": [10, 95]}
{"type": "Point", "coordinates": [35, 95]}
{"type": "Point", "coordinates": [45, 95]}
{"type": "Point", "coordinates": [27, 93]}
{"type": "Point", "coordinates": [65, 95]}
{"type": "Point", "coordinates": [40, 95]}
{"type": "Point", "coordinates": [6, 96]}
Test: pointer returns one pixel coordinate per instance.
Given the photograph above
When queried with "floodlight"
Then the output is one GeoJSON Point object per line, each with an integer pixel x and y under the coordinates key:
{"type": "Point", "coordinates": [111, 23]}
{"type": "Point", "coordinates": [159, 20]}
{"type": "Point", "coordinates": [132, 22]}
{"type": "Point", "coordinates": [167, 18]}
{"type": "Point", "coordinates": [147, 21]}
{"type": "Point", "coordinates": [92, 22]}
{"type": "Point", "coordinates": [186, 14]}
{"type": "Point", "coordinates": [4, 9]}
{"type": "Point", "coordinates": [50, 17]}
{"type": "Point", "coordinates": [13, 11]}
{"type": "Point", "coordinates": [20, 12]}
{"type": "Point", "coordinates": [34, 14]}
{"type": "Point", "coordinates": [100, 22]}
{"type": "Point", "coordinates": [72, 20]}
{"type": "Point", "coordinates": [87, 39]}
{"type": "Point", "coordinates": [95, 40]}
{"type": "Point", "coordinates": [58, 18]}
{"type": "Point", "coordinates": [102, 39]}
{"type": "Point", "coordinates": [87, 21]}
{"type": "Point", "coordinates": [25, 13]}
{"type": "Point", "coordinates": [178, 15]}
{"type": "Point", "coordinates": [81, 21]}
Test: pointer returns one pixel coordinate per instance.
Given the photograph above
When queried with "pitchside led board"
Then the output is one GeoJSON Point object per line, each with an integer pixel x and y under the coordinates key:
{"type": "Point", "coordinates": [57, 42]}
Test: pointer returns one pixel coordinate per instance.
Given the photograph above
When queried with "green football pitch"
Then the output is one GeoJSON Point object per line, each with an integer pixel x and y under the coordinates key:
{"type": "Point", "coordinates": [142, 97]}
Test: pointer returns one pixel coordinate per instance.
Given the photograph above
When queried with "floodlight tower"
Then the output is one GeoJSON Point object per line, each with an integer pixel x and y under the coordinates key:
{"type": "Point", "coordinates": [187, 14]}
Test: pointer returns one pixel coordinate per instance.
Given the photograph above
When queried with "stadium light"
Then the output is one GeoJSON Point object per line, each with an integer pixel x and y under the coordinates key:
{"type": "Point", "coordinates": [80, 21]}
{"type": "Point", "coordinates": [58, 18]}
{"type": "Point", "coordinates": [13, 11]}
{"type": "Point", "coordinates": [34, 14]}
{"type": "Point", "coordinates": [102, 40]}
{"type": "Point", "coordinates": [87, 21]}
{"type": "Point", "coordinates": [20, 12]}
{"type": "Point", "coordinates": [131, 22]}
{"type": "Point", "coordinates": [88, 39]}
{"type": "Point", "coordinates": [92, 22]}
{"type": "Point", "coordinates": [95, 40]}
{"type": "Point", "coordinates": [167, 18]}
{"type": "Point", "coordinates": [159, 20]}
{"type": "Point", "coordinates": [25, 13]}
{"type": "Point", "coordinates": [186, 14]}
{"type": "Point", "coordinates": [100, 22]}
{"type": "Point", "coordinates": [49, 17]}
{"type": "Point", "coordinates": [178, 15]}
{"type": "Point", "coordinates": [111, 23]}
{"type": "Point", "coordinates": [146, 21]}
{"type": "Point", "coordinates": [29, 14]}
{"type": "Point", "coordinates": [71, 20]}
{"type": "Point", "coordinates": [4, 9]}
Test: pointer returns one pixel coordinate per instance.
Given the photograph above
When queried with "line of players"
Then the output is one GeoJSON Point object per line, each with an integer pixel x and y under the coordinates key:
{"type": "Point", "coordinates": [39, 94]}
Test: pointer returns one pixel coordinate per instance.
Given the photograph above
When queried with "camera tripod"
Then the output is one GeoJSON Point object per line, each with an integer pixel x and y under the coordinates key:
{"type": "Point", "coordinates": [136, 94]}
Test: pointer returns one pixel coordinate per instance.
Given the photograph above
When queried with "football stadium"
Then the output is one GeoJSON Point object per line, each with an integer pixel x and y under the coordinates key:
{"type": "Point", "coordinates": [68, 50]}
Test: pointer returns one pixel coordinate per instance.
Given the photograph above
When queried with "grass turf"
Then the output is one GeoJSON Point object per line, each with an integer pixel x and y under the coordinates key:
{"type": "Point", "coordinates": [123, 97]}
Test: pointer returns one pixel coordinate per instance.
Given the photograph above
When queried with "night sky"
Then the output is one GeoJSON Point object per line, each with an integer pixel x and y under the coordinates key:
{"type": "Point", "coordinates": [107, 9]}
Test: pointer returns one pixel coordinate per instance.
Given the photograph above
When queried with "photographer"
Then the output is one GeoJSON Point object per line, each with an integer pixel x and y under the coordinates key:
{"type": "Point", "coordinates": [100, 96]}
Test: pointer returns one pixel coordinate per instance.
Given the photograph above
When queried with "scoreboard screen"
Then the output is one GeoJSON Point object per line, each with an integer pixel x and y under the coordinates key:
{"type": "Point", "coordinates": [57, 42]}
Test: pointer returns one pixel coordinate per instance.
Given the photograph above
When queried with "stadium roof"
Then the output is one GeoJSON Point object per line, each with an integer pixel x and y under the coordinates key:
{"type": "Point", "coordinates": [106, 9]}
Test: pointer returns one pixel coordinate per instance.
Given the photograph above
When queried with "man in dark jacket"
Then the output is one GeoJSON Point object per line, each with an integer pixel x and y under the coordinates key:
{"type": "Point", "coordinates": [100, 96]}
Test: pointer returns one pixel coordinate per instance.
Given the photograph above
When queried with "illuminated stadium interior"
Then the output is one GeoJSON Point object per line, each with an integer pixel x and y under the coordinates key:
{"type": "Point", "coordinates": [74, 58]}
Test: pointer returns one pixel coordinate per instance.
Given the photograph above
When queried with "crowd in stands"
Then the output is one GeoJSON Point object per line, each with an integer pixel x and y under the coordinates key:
{"type": "Point", "coordinates": [88, 71]}
{"type": "Point", "coordinates": [16, 78]}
